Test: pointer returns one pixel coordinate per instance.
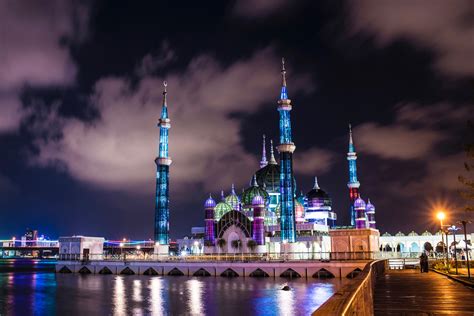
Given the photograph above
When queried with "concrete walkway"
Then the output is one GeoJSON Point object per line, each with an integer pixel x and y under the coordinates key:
{"type": "Point", "coordinates": [409, 292]}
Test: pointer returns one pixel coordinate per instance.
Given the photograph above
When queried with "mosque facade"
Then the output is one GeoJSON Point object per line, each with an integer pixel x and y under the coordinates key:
{"type": "Point", "coordinates": [269, 216]}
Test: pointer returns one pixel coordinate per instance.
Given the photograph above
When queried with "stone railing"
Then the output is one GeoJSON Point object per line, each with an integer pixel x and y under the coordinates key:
{"type": "Point", "coordinates": [356, 298]}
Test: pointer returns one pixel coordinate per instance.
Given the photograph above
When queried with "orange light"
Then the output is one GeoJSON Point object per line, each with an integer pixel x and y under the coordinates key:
{"type": "Point", "coordinates": [440, 215]}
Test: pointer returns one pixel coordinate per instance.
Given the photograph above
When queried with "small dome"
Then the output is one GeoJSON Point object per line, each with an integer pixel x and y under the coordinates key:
{"type": "Point", "coordinates": [412, 233]}
{"type": "Point", "coordinates": [427, 233]}
{"type": "Point", "coordinates": [220, 209]}
{"type": "Point", "coordinates": [369, 206]}
{"type": "Point", "coordinates": [399, 234]}
{"type": "Point", "coordinates": [386, 235]}
{"type": "Point", "coordinates": [210, 203]}
{"type": "Point", "coordinates": [233, 200]}
{"type": "Point", "coordinates": [359, 203]}
{"type": "Point", "coordinates": [258, 200]}
{"type": "Point", "coordinates": [317, 198]}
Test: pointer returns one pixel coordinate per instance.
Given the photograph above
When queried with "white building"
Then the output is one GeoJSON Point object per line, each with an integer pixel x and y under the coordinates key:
{"type": "Point", "coordinates": [81, 248]}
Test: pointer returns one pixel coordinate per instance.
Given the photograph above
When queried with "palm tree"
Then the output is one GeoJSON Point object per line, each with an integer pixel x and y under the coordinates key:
{"type": "Point", "coordinates": [251, 244]}
{"type": "Point", "coordinates": [235, 244]}
{"type": "Point", "coordinates": [221, 242]}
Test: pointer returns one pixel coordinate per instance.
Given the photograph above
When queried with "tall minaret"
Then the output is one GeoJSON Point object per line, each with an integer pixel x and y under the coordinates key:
{"type": "Point", "coordinates": [264, 161]}
{"type": "Point", "coordinates": [163, 163]}
{"type": "Point", "coordinates": [286, 149]}
{"type": "Point", "coordinates": [353, 183]}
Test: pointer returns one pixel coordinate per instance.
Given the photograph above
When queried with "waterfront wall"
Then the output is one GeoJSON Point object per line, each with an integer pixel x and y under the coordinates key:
{"type": "Point", "coordinates": [356, 298]}
{"type": "Point", "coordinates": [306, 269]}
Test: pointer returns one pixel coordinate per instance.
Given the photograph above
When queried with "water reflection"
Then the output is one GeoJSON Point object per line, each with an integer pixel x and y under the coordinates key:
{"type": "Point", "coordinates": [119, 296]}
{"type": "Point", "coordinates": [156, 300]}
{"type": "Point", "coordinates": [24, 293]}
{"type": "Point", "coordinates": [195, 293]}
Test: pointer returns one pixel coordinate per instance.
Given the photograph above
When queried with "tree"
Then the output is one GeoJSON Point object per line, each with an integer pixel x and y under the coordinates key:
{"type": "Point", "coordinates": [235, 244]}
{"type": "Point", "coordinates": [221, 242]}
{"type": "Point", "coordinates": [251, 244]}
{"type": "Point", "coordinates": [468, 193]}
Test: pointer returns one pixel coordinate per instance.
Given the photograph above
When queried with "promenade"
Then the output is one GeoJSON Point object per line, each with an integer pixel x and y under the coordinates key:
{"type": "Point", "coordinates": [409, 292]}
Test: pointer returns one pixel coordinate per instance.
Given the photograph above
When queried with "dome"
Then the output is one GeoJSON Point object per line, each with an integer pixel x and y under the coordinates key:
{"type": "Point", "coordinates": [412, 233]}
{"type": "Point", "coordinates": [255, 190]}
{"type": "Point", "coordinates": [220, 209]}
{"type": "Point", "coordinates": [210, 203]}
{"type": "Point", "coordinates": [370, 206]}
{"type": "Point", "coordinates": [233, 200]}
{"type": "Point", "coordinates": [399, 234]}
{"type": "Point", "coordinates": [317, 197]}
{"type": "Point", "coordinates": [359, 203]}
{"type": "Point", "coordinates": [258, 200]}
{"type": "Point", "coordinates": [426, 233]}
{"type": "Point", "coordinates": [386, 235]}
{"type": "Point", "coordinates": [269, 177]}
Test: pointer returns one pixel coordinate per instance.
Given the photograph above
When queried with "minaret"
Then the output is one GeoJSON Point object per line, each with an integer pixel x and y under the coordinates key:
{"type": "Point", "coordinates": [163, 163]}
{"type": "Point", "coordinates": [353, 184]}
{"type": "Point", "coordinates": [272, 155]}
{"type": "Point", "coordinates": [210, 235]}
{"type": "Point", "coordinates": [264, 161]}
{"type": "Point", "coordinates": [286, 149]}
{"type": "Point", "coordinates": [370, 212]}
{"type": "Point", "coordinates": [258, 229]}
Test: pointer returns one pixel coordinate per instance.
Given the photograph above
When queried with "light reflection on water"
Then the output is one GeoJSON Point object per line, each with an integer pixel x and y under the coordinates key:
{"type": "Point", "coordinates": [42, 293]}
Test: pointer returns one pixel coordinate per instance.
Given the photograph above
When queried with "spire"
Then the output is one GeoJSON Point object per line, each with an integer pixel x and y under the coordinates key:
{"type": "Point", "coordinates": [316, 185]}
{"type": "Point", "coordinates": [164, 108]}
{"type": "Point", "coordinates": [254, 181]}
{"type": "Point", "coordinates": [232, 191]}
{"type": "Point", "coordinates": [272, 156]}
{"type": "Point", "coordinates": [351, 141]}
{"type": "Point", "coordinates": [284, 93]}
{"type": "Point", "coordinates": [222, 195]}
{"type": "Point", "coordinates": [264, 161]}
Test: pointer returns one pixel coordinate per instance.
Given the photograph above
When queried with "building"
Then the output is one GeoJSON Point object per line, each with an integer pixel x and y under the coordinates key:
{"type": "Point", "coordinates": [163, 162]}
{"type": "Point", "coordinates": [268, 216]}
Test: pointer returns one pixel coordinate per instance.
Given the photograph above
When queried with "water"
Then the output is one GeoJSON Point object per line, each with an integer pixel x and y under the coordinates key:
{"type": "Point", "coordinates": [31, 287]}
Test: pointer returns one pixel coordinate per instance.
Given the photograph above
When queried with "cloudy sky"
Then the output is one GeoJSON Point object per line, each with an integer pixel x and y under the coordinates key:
{"type": "Point", "coordinates": [80, 95]}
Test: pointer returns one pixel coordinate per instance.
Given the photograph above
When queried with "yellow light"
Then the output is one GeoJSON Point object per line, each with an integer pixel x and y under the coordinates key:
{"type": "Point", "coordinates": [441, 215]}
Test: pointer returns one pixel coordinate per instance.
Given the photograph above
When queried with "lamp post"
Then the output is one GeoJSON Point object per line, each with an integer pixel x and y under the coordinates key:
{"type": "Point", "coordinates": [441, 216]}
{"type": "Point", "coordinates": [453, 228]}
{"type": "Point", "coordinates": [121, 249]}
{"type": "Point", "coordinates": [464, 223]}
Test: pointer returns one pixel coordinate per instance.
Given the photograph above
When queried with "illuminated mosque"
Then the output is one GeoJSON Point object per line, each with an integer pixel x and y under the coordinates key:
{"type": "Point", "coordinates": [269, 216]}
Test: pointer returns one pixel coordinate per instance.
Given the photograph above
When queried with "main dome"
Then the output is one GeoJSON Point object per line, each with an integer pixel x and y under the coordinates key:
{"type": "Point", "coordinates": [317, 197]}
{"type": "Point", "coordinates": [269, 177]}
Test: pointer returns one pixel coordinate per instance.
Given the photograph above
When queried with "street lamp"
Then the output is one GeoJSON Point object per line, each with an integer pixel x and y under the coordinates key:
{"type": "Point", "coordinates": [441, 216]}
{"type": "Point", "coordinates": [121, 248]}
{"type": "Point", "coordinates": [453, 228]}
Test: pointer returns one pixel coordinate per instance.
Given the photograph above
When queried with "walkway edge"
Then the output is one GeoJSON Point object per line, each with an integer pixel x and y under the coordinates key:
{"type": "Point", "coordinates": [464, 282]}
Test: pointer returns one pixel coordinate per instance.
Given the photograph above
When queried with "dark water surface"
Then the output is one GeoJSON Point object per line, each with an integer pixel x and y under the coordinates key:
{"type": "Point", "coordinates": [30, 287]}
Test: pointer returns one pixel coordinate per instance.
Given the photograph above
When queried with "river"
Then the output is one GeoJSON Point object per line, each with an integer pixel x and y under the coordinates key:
{"type": "Point", "coordinates": [30, 287]}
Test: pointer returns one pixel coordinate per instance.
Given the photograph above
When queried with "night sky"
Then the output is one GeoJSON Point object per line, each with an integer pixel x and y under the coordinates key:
{"type": "Point", "coordinates": [80, 96]}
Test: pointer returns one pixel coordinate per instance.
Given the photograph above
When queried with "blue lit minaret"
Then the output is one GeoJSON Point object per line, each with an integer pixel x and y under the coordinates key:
{"type": "Point", "coordinates": [286, 149]}
{"type": "Point", "coordinates": [163, 163]}
{"type": "Point", "coordinates": [353, 183]}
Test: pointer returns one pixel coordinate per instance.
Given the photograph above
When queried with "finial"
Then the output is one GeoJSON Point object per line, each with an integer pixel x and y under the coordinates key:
{"type": "Point", "coordinates": [316, 185]}
{"type": "Point", "coordinates": [165, 84]}
{"type": "Point", "coordinates": [233, 189]}
{"type": "Point", "coordinates": [264, 161]}
{"type": "Point", "coordinates": [222, 195]}
{"type": "Point", "coordinates": [283, 72]}
{"type": "Point", "coordinates": [272, 156]}
{"type": "Point", "coordinates": [350, 134]}
{"type": "Point", "coordinates": [254, 181]}
{"type": "Point", "coordinates": [210, 195]}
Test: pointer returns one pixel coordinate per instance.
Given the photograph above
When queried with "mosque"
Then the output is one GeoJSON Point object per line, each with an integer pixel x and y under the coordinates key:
{"type": "Point", "coordinates": [270, 216]}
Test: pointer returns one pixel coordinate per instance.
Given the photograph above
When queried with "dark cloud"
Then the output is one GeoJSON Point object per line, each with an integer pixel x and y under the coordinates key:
{"type": "Point", "coordinates": [447, 27]}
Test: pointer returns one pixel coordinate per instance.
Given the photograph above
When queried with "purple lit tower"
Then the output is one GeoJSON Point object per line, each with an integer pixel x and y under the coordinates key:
{"type": "Point", "coordinates": [359, 208]}
{"type": "Point", "coordinates": [209, 206]}
{"type": "Point", "coordinates": [258, 204]}
{"type": "Point", "coordinates": [370, 210]}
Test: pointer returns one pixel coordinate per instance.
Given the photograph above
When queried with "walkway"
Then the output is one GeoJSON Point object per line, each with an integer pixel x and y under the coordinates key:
{"type": "Point", "coordinates": [409, 292]}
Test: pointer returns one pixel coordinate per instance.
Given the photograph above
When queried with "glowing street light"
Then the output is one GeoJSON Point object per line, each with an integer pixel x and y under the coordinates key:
{"type": "Point", "coordinates": [441, 216]}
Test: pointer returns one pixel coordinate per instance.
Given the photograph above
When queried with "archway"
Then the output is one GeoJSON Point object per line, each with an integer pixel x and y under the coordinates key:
{"type": "Point", "coordinates": [150, 271]}
{"type": "Point", "coordinates": [84, 270]}
{"type": "Point", "coordinates": [201, 272]}
{"type": "Point", "coordinates": [290, 273]}
{"type": "Point", "coordinates": [229, 273]}
{"type": "Point", "coordinates": [259, 273]}
{"type": "Point", "coordinates": [323, 274]}
{"type": "Point", "coordinates": [176, 272]}
{"type": "Point", "coordinates": [354, 273]}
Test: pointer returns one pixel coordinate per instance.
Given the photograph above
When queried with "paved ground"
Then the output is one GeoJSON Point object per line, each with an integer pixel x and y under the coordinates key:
{"type": "Point", "coordinates": [409, 292]}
